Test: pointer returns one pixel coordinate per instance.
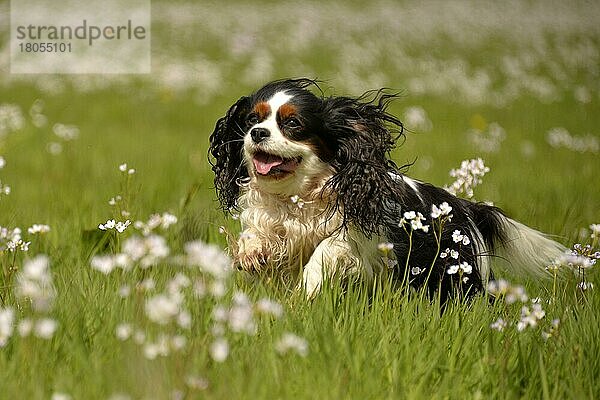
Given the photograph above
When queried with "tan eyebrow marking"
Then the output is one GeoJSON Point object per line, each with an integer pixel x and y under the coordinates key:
{"type": "Point", "coordinates": [285, 111]}
{"type": "Point", "coordinates": [262, 109]}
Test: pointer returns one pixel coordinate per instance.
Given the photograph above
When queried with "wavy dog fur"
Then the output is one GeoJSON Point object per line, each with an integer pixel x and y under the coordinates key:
{"type": "Point", "coordinates": [332, 155]}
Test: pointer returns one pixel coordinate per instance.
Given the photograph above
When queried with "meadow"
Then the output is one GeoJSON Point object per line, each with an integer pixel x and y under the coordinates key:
{"type": "Point", "coordinates": [149, 310]}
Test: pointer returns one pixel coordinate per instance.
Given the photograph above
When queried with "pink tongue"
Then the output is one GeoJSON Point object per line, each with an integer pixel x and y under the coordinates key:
{"type": "Point", "coordinates": [263, 163]}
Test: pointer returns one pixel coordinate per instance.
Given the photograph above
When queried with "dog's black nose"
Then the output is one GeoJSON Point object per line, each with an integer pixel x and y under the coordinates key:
{"type": "Point", "coordinates": [259, 134]}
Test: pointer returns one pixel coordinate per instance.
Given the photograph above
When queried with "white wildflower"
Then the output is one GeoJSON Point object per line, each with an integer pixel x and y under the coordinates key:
{"type": "Point", "coordinates": [461, 268]}
{"type": "Point", "coordinates": [38, 228]}
{"type": "Point", "coordinates": [595, 228]}
{"type": "Point", "coordinates": [416, 270]}
{"type": "Point", "coordinates": [510, 292]}
{"type": "Point", "coordinates": [178, 342]}
{"type": "Point", "coordinates": [217, 289]}
{"type": "Point", "coordinates": [240, 315]}
{"type": "Point", "coordinates": [148, 251]}
{"type": "Point", "coordinates": [45, 328]}
{"type": "Point", "coordinates": [576, 261]}
{"type": "Point", "coordinates": [466, 267]}
{"type": "Point", "coordinates": [553, 329]}
{"type": "Point", "coordinates": [184, 319]}
{"type": "Point", "coordinates": [298, 201]}
{"type": "Point", "coordinates": [443, 210]}
{"type": "Point", "coordinates": [25, 327]}
{"type": "Point", "coordinates": [124, 291]}
{"type": "Point", "coordinates": [162, 309]}
{"type": "Point", "coordinates": [385, 247]}
{"type": "Point", "coordinates": [409, 215]}
{"type": "Point", "coordinates": [499, 325]}
{"type": "Point", "coordinates": [167, 220]}
{"type": "Point", "coordinates": [489, 139]}
{"type": "Point", "coordinates": [110, 224]}
{"type": "Point", "coordinates": [457, 236]}
{"type": "Point", "coordinates": [468, 176]}
{"type": "Point", "coordinates": [453, 269]}
{"type": "Point", "coordinates": [103, 263]}
{"type": "Point", "coordinates": [147, 285]}
{"type": "Point", "coordinates": [219, 350]}
{"type": "Point", "coordinates": [516, 293]}
{"type": "Point", "coordinates": [269, 307]}
{"type": "Point", "coordinates": [60, 396]}
{"type": "Point", "coordinates": [292, 342]}
{"type": "Point", "coordinates": [66, 132]}
{"type": "Point", "coordinates": [416, 118]}
{"type": "Point", "coordinates": [220, 313]}
{"type": "Point", "coordinates": [530, 317]}
{"type": "Point", "coordinates": [199, 289]}
{"type": "Point", "coordinates": [196, 382]}
{"type": "Point", "coordinates": [139, 337]}
{"type": "Point", "coordinates": [123, 331]}
{"type": "Point", "coordinates": [54, 148]}
{"type": "Point", "coordinates": [121, 226]}
{"type": "Point", "coordinates": [7, 318]}
{"type": "Point", "coordinates": [151, 351]}
{"type": "Point", "coordinates": [416, 221]}
{"type": "Point", "coordinates": [11, 119]}
{"type": "Point", "coordinates": [499, 287]}
{"type": "Point", "coordinates": [209, 257]}
{"type": "Point", "coordinates": [560, 137]}
{"type": "Point", "coordinates": [38, 119]}
{"type": "Point", "coordinates": [35, 283]}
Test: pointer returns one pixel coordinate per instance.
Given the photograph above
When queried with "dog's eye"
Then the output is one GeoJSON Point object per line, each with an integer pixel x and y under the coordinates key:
{"type": "Point", "coordinates": [293, 123]}
{"type": "Point", "coordinates": [252, 119]}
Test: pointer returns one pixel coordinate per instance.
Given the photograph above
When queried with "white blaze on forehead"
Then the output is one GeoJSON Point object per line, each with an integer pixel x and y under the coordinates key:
{"type": "Point", "coordinates": [278, 99]}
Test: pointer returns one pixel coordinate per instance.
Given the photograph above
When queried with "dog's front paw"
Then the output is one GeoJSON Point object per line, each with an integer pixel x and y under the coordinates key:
{"type": "Point", "coordinates": [252, 255]}
{"type": "Point", "coordinates": [312, 279]}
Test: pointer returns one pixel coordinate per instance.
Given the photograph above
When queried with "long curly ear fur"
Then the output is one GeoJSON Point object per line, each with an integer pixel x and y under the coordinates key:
{"type": "Point", "coordinates": [226, 149]}
{"type": "Point", "coordinates": [362, 188]}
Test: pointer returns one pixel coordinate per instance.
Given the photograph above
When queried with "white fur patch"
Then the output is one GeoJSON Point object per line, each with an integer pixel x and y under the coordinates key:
{"type": "Point", "coordinates": [410, 182]}
{"type": "Point", "coordinates": [528, 250]}
{"type": "Point", "coordinates": [278, 99]}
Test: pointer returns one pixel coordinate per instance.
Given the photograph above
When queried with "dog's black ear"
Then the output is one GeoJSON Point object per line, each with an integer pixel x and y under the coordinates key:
{"type": "Point", "coordinates": [363, 188]}
{"type": "Point", "coordinates": [226, 153]}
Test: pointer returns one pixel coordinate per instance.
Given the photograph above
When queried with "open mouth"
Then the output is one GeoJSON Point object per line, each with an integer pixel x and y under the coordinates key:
{"type": "Point", "coordinates": [274, 166]}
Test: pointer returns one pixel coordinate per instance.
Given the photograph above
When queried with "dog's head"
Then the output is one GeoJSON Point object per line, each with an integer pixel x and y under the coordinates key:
{"type": "Point", "coordinates": [289, 141]}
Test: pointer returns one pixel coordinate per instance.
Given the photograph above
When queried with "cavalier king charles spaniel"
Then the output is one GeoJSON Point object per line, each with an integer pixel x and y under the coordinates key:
{"type": "Point", "coordinates": [318, 196]}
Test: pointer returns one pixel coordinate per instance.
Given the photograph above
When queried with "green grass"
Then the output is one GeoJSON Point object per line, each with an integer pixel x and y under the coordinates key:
{"type": "Point", "coordinates": [390, 347]}
{"type": "Point", "coordinates": [361, 346]}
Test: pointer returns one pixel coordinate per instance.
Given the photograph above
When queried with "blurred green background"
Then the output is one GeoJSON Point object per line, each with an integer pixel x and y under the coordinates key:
{"type": "Point", "coordinates": [526, 66]}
